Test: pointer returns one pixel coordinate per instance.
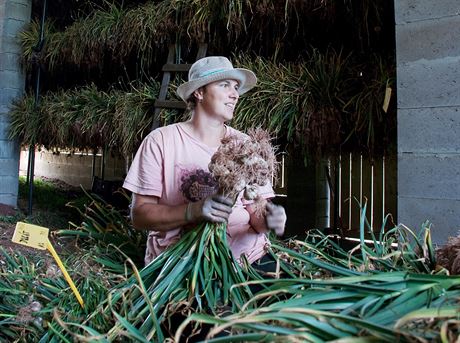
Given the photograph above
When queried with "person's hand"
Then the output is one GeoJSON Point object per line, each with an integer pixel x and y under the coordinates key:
{"type": "Point", "coordinates": [215, 208]}
{"type": "Point", "coordinates": [275, 218]}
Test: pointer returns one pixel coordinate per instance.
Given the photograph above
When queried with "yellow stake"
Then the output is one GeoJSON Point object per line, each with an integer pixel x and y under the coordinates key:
{"type": "Point", "coordinates": [35, 236]}
{"type": "Point", "coordinates": [64, 271]}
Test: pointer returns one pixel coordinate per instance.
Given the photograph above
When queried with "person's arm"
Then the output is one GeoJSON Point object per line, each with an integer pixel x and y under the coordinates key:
{"type": "Point", "coordinates": [275, 219]}
{"type": "Point", "coordinates": [148, 214]}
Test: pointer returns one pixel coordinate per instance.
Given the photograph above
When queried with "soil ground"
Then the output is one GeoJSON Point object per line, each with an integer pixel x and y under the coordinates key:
{"type": "Point", "coordinates": [48, 209]}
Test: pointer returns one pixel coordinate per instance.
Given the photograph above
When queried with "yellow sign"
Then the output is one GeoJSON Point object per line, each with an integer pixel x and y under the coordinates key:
{"type": "Point", "coordinates": [386, 101]}
{"type": "Point", "coordinates": [35, 236]}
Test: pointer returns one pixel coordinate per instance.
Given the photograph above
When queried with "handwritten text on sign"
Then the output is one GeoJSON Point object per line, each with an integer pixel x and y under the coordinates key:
{"type": "Point", "coordinates": [33, 236]}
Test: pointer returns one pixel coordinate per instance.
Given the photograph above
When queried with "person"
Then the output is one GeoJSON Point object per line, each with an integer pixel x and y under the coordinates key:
{"type": "Point", "coordinates": [171, 186]}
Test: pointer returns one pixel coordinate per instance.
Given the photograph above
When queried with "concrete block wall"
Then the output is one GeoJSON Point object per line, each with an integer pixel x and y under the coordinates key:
{"type": "Point", "coordinates": [14, 15]}
{"type": "Point", "coordinates": [74, 169]}
{"type": "Point", "coordinates": [428, 74]}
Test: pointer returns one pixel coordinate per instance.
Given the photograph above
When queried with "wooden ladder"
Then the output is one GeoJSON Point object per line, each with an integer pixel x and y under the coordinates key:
{"type": "Point", "coordinates": [169, 68]}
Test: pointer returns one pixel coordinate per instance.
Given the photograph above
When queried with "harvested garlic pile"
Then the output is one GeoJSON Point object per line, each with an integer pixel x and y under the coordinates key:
{"type": "Point", "coordinates": [244, 162]}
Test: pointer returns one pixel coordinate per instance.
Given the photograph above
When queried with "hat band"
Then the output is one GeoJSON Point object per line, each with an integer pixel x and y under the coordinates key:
{"type": "Point", "coordinates": [211, 72]}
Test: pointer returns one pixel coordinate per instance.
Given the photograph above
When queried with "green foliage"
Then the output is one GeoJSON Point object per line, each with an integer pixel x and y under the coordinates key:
{"type": "Point", "coordinates": [362, 309]}
{"type": "Point", "coordinates": [384, 290]}
{"type": "Point", "coordinates": [47, 195]}
{"type": "Point", "coordinates": [12, 219]}
{"type": "Point", "coordinates": [108, 227]}
{"type": "Point", "coordinates": [36, 296]}
{"type": "Point", "coordinates": [86, 118]}
{"type": "Point", "coordinates": [116, 32]}
{"type": "Point", "coordinates": [50, 199]}
{"type": "Point", "coordinates": [321, 103]}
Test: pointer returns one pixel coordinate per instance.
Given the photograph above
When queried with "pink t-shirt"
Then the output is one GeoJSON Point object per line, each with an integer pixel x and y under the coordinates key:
{"type": "Point", "coordinates": [173, 166]}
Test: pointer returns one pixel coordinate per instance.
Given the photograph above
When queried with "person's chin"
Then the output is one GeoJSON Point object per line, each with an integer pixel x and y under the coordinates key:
{"type": "Point", "coordinates": [227, 116]}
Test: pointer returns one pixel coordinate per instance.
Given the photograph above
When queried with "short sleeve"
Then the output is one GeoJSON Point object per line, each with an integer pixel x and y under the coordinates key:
{"type": "Point", "coordinates": [145, 176]}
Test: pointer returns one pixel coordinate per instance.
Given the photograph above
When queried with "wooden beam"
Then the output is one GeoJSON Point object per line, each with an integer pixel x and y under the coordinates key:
{"type": "Point", "coordinates": [176, 67]}
{"type": "Point", "coordinates": [180, 105]}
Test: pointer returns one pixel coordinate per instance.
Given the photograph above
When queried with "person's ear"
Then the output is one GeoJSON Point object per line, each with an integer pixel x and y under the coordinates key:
{"type": "Point", "coordinates": [198, 94]}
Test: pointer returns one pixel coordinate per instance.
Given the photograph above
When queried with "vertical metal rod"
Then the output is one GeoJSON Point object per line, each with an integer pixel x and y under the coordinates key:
{"type": "Point", "coordinates": [372, 197]}
{"type": "Point", "coordinates": [350, 170]}
{"type": "Point", "coordinates": [30, 173]}
{"type": "Point", "coordinates": [93, 165]}
{"type": "Point", "coordinates": [383, 189]}
{"type": "Point", "coordinates": [339, 188]}
{"type": "Point", "coordinates": [282, 169]}
{"type": "Point", "coordinates": [322, 220]}
{"type": "Point", "coordinates": [28, 168]}
{"type": "Point", "coordinates": [337, 196]}
{"type": "Point", "coordinates": [103, 157]}
{"type": "Point", "coordinates": [31, 164]}
{"type": "Point", "coordinates": [361, 180]}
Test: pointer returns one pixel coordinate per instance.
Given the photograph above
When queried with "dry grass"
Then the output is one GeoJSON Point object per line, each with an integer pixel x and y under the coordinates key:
{"type": "Point", "coordinates": [448, 255]}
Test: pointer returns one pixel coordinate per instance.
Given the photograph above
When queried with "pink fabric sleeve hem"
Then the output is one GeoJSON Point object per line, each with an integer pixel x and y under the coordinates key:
{"type": "Point", "coordinates": [141, 190]}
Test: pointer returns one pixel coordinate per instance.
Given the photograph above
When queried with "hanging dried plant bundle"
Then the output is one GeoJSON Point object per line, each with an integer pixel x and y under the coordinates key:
{"type": "Point", "coordinates": [244, 163]}
{"type": "Point", "coordinates": [448, 255]}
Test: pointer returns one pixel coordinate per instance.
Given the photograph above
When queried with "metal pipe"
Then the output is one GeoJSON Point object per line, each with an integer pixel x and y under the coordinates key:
{"type": "Point", "coordinates": [323, 219]}
{"type": "Point", "coordinates": [103, 160]}
{"type": "Point", "coordinates": [31, 163]}
{"type": "Point", "coordinates": [93, 165]}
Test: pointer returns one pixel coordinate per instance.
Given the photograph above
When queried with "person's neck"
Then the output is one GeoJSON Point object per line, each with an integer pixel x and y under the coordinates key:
{"type": "Point", "coordinates": [210, 132]}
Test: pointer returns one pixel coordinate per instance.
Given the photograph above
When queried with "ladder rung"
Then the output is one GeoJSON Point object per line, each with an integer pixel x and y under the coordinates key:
{"type": "Point", "coordinates": [170, 104]}
{"type": "Point", "coordinates": [171, 67]}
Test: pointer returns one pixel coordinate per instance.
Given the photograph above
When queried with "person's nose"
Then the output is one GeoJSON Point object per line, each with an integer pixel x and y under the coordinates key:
{"type": "Point", "coordinates": [234, 94]}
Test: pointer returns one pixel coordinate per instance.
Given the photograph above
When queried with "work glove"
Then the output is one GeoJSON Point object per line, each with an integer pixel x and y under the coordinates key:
{"type": "Point", "coordinates": [215, 208]}
{"type": "Point", "coordinates": [275, 218]}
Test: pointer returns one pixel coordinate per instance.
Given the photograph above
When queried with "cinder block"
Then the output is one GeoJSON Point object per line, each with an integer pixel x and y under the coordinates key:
{"type": "Point", "coordinates": [9, 167]}
{"type": "Point", "coordinates": [8, 149]}
{"type": "Point", "coordinates": [13, 26]}
{"type": "Point", "coordinates": [429, 130]}
{"type": "Point", "coordinates": [11, 79]}
{"type": "Point", "coordinates": [23, 2]}
{"type": "Point", "coordinates": [9, 199]}
{"type": "Point", "coordinates": [433, 39]}
{"type": "Point", "coordinates": [9, 61]}
{"type": "Point", "coordinates": [429, 176]}
{"type": "Point", "coordinates": [429, 83]}
{"type": "Point", "coordinates": [4, 110]}
{"type": "Point", "coordinates": [413, 10]}
{"type": "Point", "coordinates": [4, 129]}
{"type": "Point", "coordinates": [4, 116]}
{"type": "Point", "coordinates": [9, 184]}
{"type": "Point", "coordinates": [2, 11]}
{"type": "Point", "coordinates": [443, 214]}
{"type": "Point", "coordinates": [18, 10]}
{"type": "Point", "coordinates": [7, 95]}
{"type": "Point", "coordinates": [10, 44]}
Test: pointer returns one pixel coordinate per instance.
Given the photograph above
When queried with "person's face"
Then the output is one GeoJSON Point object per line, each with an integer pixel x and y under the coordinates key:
{"type": "Point", "coordinates": [219, 98]}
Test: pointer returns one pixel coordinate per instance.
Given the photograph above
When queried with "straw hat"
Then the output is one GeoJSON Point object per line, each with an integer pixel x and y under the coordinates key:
{"type": "Point", "coordinates": [215, 68]}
